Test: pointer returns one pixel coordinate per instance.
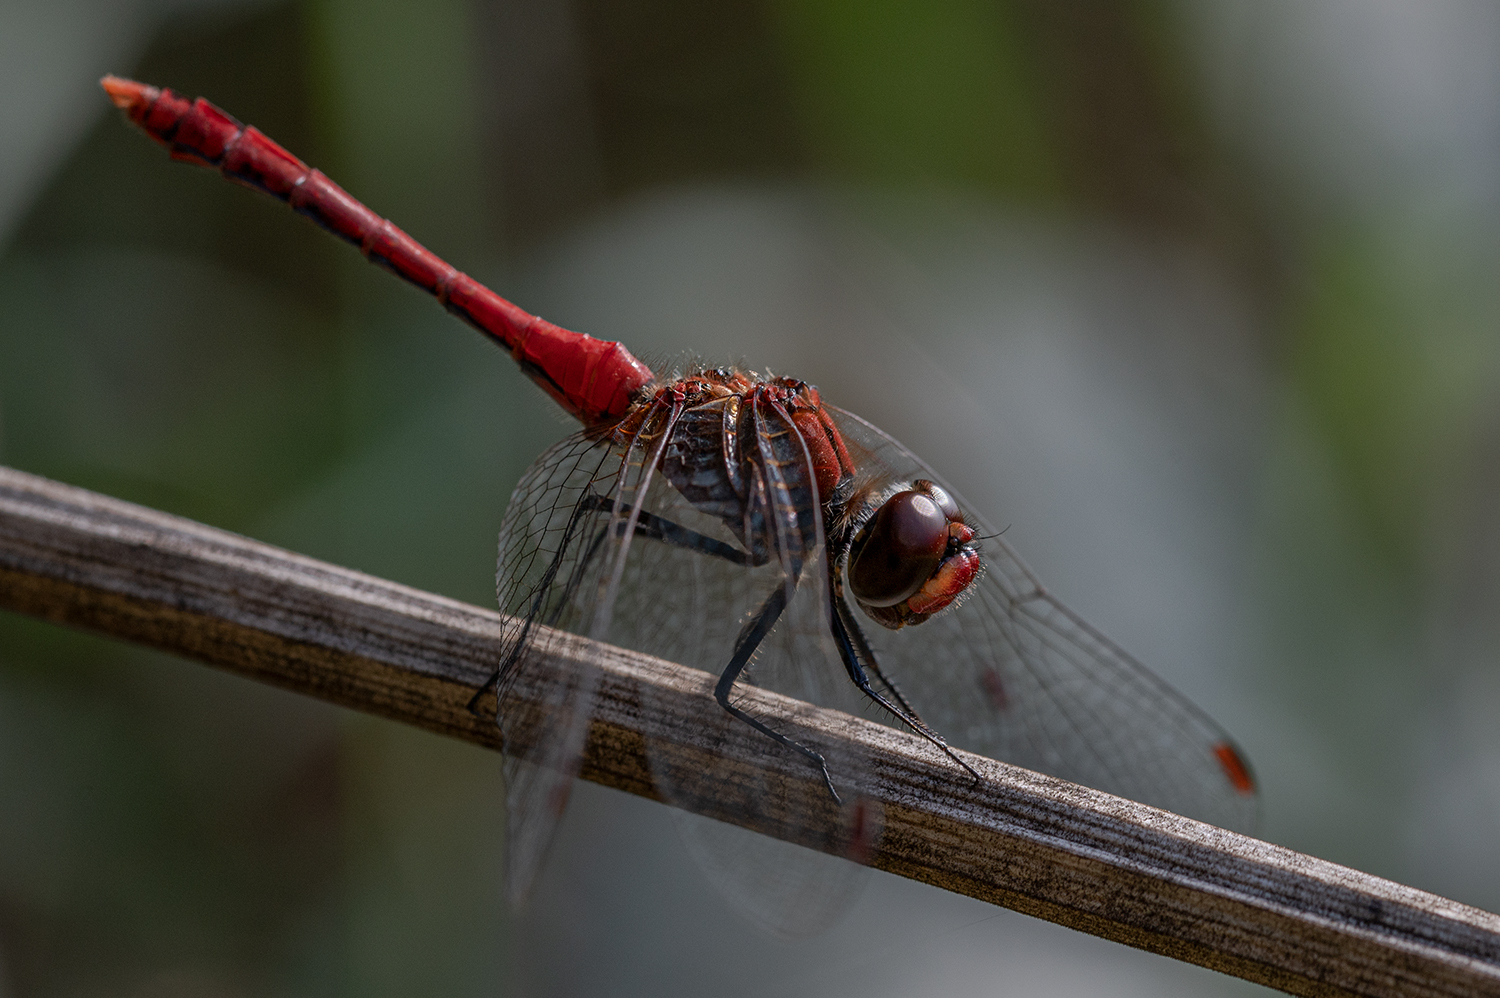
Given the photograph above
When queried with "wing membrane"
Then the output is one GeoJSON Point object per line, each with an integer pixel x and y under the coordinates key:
{"type": "Point", "coordinates": [598, 541]}
{"type": "Point", "coordinates": [1012, 673]}
{"type": "Point", "coordinates": [548, 572]}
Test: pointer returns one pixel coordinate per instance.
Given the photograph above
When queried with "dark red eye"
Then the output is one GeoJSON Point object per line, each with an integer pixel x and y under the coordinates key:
{"type": "Point", "coordinates": [903, 548]}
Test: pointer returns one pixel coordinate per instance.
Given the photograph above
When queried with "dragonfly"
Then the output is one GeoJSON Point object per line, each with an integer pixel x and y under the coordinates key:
{"type": "Point", "coordinates": [734, 521]}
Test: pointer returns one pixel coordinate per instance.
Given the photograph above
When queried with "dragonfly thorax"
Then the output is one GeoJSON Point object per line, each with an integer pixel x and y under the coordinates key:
{"type": "Point", "coordinates": [759, 454]}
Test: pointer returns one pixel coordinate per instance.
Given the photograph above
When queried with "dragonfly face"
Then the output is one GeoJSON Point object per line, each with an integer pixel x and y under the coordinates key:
{"type": "Point", "coordinates": [911, 555]}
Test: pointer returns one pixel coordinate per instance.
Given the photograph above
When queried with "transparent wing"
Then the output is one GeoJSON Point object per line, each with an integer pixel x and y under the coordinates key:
{"type": "Point", "coordinates": [1011, 673]}
{"type": "Point", "coordinates": [551, 564]}
{"type": "Point", "coordinates": [686, 604]}
{"type": "Point", "coordinates": [597, 542]}
{"type": "Point", "coordinates": [791, 890]}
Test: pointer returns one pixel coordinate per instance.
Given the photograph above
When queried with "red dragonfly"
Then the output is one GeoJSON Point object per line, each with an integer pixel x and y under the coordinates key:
{"type": "Point", "coordinates": [736, 522]}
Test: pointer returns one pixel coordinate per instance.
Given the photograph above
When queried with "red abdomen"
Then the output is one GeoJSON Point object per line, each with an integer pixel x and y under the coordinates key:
{"type": "Point", "coordinates": [593, 379]}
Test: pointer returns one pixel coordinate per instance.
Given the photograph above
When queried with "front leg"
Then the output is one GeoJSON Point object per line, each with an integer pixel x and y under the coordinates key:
{"type": "Point", "coordinates": [648, 525]}
{"type": "Point", "coordinates": [674, 534]}
{"type": "Point", "coordinates": [856, 652]}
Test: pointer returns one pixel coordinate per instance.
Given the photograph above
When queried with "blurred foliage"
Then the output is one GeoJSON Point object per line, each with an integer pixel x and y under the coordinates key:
{"type": "Point", "coordinates": [943, 93]}
{"type": "Point", "coordinates": [1395, 349]}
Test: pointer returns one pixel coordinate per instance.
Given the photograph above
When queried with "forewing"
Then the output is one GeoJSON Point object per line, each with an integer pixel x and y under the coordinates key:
{"type": "Point", "coordinates": [1010, 672]}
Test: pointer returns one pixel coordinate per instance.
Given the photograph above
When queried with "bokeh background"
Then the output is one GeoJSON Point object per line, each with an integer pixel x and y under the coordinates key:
{"type": "Point", "coordinates": [1201, 299]}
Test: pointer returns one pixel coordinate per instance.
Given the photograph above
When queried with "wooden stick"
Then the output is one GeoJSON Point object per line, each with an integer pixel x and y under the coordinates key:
{"type": "Point", "coordinates": [1062, 852]}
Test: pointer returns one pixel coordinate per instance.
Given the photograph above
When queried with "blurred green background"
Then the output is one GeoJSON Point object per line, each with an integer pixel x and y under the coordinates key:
{"type": "Point", "coordinates": [1201, 299]}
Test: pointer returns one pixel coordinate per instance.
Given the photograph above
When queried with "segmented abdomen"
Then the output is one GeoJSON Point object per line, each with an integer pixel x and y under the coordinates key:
{"type": "Point", "coordinates": [593, 379]}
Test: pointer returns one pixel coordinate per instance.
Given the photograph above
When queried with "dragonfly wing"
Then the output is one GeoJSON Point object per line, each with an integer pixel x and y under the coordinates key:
{"type": "Point", "coordinates": [1012, 673]}
{"type": "Point", "coordinates": [687, 593]}
{"type": "Point", "coordinates": [788, 889]}
{"type": "Point", "coordinates": [1022, 678]}
{"type": "Point", "coordinates": [551, 561]}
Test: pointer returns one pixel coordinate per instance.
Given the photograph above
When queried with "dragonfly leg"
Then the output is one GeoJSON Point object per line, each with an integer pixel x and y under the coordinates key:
{"type": "Point", "coordinates": [473, 706]}
{"type": "Point", "coordinates": [659, 528]}
{"type": "Point", "coordinates": [675, 534]}
{"type": "Point", "coordinates": [539, 595]}
{"type": "Point", "coordinates": [754, 632]}
{"type": "Point", "coordinates": [647, 525]}
{"type": "Point", "coordinates": [855, 651]}
{"type": "Point", "coordinates": [890, 687]}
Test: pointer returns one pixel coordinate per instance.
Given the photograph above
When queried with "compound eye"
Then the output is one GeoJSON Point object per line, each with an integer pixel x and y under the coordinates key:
{"type": "Point", "coordinates": [940, 496]}
{"type": "Point", "coordinates": [904, 546]}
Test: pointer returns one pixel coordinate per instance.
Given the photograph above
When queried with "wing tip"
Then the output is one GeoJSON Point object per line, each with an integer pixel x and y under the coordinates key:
{"type": "Point", "coordinates": [1235, 768]}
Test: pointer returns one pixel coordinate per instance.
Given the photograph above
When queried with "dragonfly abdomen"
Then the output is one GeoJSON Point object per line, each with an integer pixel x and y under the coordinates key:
{"type": "Point", "coordinates": [593, 379]}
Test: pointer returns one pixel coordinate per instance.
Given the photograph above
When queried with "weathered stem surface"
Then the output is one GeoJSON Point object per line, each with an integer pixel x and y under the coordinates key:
{"type": "Point", "coordinates": [1097, 863]}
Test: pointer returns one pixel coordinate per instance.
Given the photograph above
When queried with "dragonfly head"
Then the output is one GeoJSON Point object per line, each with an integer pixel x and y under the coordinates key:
{"type": "Point", "coordinates": [912, 556]}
